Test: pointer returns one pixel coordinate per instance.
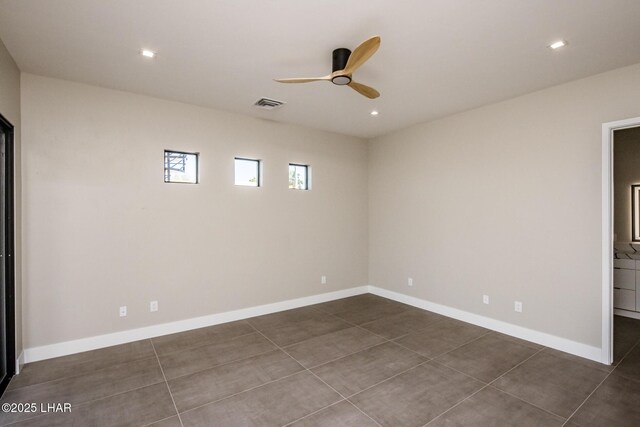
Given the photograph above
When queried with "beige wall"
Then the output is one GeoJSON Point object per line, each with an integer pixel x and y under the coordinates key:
{"type": "Point", "coordinates": [626, 169]}
{"type": "Point", "coordinates": [10, 109]}
{"type": "Point", "coordinates": [103, 230]}
{"type": "Point", "coordinates": [503, 200]}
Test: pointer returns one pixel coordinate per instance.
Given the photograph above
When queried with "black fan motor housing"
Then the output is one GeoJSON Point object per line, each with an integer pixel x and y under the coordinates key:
{"type": "Point", "coordinates": [340, 58]}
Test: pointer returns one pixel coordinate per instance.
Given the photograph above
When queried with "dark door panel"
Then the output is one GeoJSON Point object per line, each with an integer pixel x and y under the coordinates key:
{"type": "Point", "coordinates": [7, 320]}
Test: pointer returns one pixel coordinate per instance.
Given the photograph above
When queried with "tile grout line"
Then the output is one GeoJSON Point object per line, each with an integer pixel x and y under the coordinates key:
{"type": "Point", "coordinates": [490, 384]}
{"type": "Point", "coordinates": [615, 367]}
{"type": "Point", "coordinates": [232, 337]}
{"type": "Point", "coordinates": [587, 398]}
{"type": "Point", "coordinates": [303, 369]}
{"type": "Point", "coordinates": [314, 412]}
{"type": "Point", "coordinates": [485, 384]}
{"type": "Point", "coordinates": [533, 404]}
{"type": "Point", "coordinates": [361, 326]}
{"type": "Point", "coordinates": [386, 340]}
{"type": "Point", "coordinates": [528, 403]}
{"type": "Point", "coordinates": [457, 404]}
{"type": "Point", "coordinates": [387, 379]}
{"type": "Point", "coordinates": [164, 376]}
{"type": "Point", "coordinates": [242, 359]}
{"type": "Point", "coordinates": [601, 382]}
{"type": "Point", "coordinates": [129, 361]}
{"type": "Point", "coordinates": [394, 340]}
{"type": "Point", "coordinates": [341, 357]}
{"type": "Point", "coordinates": [413, 331]}
{"type": "Point", "coordinates": [488, 331]}
{"type": "Point", "coordinates": [520, 398]}
{"type": "Point", "coordinates": [309, 369]}
{"type": "Point", "coordinates": [482, 388]}
{"type": "Point", "coordinates": [159, 421]}
{"type": "Point", "coordinates": [243, 391]}
{"type": "Point", "coordinates": [86, 402]}
{"type": "Point", "coordinates": [66, 377]}
{"type": "Point", "coordinates": [286, 376]}
{"type": "Point", "coordinates": [364, 413]}
{"type": "Point", "coordinates": [162, 370]}
{"type": "Point", "coordinates": [354, 325]}
{"type": "Point", "coordinates": [516, 366]}
{"type": "Point", "coordinates": [314, 374]}
{"type": "Point", "coordinates": [446, 352]}
{"type": "Point", "coordinates": [167, 384]}
{"type": "Point", "coordinates": [76, 376]}
{"type": "Point", "coordinates": [156, 357]}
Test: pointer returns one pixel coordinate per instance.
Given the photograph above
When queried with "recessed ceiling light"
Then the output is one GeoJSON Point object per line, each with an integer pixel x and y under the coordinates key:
{"type": "Point", "coordinates": [558, 44]}
{"type": "Point", "coordinates": [147, 53]}
{"type": "Point", "coordinates": [374, 113]}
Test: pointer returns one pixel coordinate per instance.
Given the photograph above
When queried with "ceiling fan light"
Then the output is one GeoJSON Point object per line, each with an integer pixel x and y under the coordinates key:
{"type": "Point", "coordinates": [341, 80]}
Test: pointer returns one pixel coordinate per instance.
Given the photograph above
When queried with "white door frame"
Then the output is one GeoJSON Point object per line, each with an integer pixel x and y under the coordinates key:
{"type": "Point", "coordinates": [607, 233]}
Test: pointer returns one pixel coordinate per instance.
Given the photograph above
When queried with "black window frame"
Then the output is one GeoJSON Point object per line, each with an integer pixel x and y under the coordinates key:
{"type": "Point", "coordinates": [164, 166]}
{"type": "Point", "coordinates": [306, 176]}
{"type": "Point", "coordinates": [247, 159]}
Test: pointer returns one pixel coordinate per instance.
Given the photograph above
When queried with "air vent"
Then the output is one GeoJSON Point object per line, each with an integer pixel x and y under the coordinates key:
{"type": "Point", "coordinates": [268, 104]}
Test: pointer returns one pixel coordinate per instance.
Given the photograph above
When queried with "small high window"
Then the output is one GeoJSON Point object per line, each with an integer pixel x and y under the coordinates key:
{"type": "Point", "coordinates": [298, 176]}
{"type": "Point", "coordinates": [180, 167]}
{"type": "Point", "coordinates": [248, 172]}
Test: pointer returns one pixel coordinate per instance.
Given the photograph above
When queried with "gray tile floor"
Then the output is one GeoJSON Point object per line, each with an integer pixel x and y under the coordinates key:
{"type": "Point", "coordinates": [359, 361]}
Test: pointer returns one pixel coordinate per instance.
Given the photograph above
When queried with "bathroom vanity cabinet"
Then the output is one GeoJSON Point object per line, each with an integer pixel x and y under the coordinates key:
{"type": "Point", "coordinates": [626, 280]}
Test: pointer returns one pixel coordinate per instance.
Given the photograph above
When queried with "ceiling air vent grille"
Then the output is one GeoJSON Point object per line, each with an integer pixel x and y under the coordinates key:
{"type": "Point", "coordinates": [268, 104]}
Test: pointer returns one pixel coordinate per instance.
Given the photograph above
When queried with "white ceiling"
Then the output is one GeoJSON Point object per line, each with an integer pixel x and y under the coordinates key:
{"type": "Point", "coordinates": [437, 57]}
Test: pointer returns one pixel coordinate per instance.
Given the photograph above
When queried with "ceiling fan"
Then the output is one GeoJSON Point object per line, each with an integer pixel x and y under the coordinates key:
{"type": "Point", "coordinates": [345, 63]}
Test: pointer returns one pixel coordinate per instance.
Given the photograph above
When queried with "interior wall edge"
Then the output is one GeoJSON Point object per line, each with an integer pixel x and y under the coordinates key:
{"type": "Point", "coordinates": [558, 343]}
{"type": "Point", "coordinates": [19, 362]}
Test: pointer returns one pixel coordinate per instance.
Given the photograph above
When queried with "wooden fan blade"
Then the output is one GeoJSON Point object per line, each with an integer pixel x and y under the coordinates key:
{"type": "Point", "coordinates": [361, 54]}
{"type": "Point", "coordinates": [303, 79]}
{"type": "Point", "coordinates": [365, 90]}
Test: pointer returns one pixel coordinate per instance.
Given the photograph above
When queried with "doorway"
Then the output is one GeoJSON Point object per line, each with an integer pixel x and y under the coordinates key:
{"type": "Point", "coordinates": [609, 238]}
{"type": "Point", "coordinates": [7, 285]}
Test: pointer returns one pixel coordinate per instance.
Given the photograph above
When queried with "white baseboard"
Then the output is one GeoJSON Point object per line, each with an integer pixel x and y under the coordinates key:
{"type": "Point", "coordinates": [626, 313]}
{"type": "Point", "coordinates": [19, 362]}
{"type": "Point", "coordinates": [35, 354]}
{"type": "Point", "coordinates": [547, 340]}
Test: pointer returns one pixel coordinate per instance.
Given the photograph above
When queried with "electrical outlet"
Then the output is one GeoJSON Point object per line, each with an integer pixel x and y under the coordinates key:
{"type": "Point", "coordinates": [123, 311]}
{"type": "Point", "coordinates": [518, 306]}
{"type": "Point", "coordinates": [410, 281]}
{"type": "Point", "coordinates": [153, 306]}
{"type": "Point", "coordinates": [485, 299]}
{"type": "Point", "coordinates": [323, 280]}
